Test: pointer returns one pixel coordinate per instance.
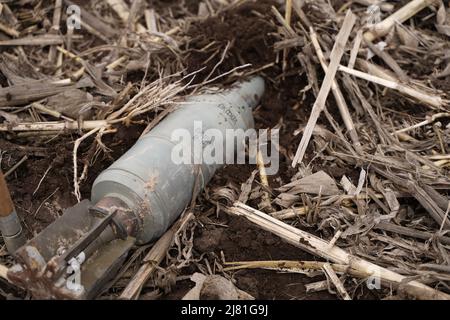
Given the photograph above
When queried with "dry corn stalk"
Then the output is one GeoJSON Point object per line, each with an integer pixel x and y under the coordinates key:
{"type": "Point", "coordinates": [335, 58]}
{"type": "Point", "coordinates": [337, 283]}
{"type": "Point", "coordinates": [321, 248]}
{"type": "Point", "coordinates": [430, 100]}
{"type": "Point", "coordinates": [340, 100]}
{"type": "Point", "coordinates": [54, 126]}
{"type": "Point", "coordinates": [153, 259]}
{"type": "Point", "coordinates": [400, 16]}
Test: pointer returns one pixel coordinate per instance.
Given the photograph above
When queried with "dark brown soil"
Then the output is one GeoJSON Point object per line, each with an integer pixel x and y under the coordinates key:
{"type": "Point", "coordinates": [242, 242]}
{"type": "Point", "coordinates": [250, 39]}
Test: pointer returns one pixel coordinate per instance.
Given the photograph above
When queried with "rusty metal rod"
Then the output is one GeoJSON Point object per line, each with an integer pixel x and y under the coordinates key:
{"type": "Point", "coordinates": [10, 226]}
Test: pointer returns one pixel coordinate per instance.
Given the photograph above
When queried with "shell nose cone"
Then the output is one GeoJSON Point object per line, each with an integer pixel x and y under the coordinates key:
{"type": "Point", "coordinates": [252, 90]}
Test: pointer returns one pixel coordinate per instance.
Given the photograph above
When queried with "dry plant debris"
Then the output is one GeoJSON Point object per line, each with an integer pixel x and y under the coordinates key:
{"type": "Point", "coordinates": [370, 181]}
